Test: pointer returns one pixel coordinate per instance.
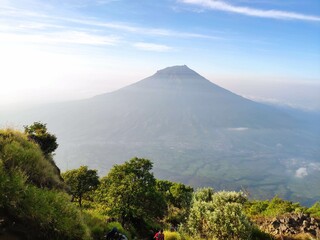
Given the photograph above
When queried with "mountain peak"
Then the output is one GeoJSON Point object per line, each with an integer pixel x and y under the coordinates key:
{"type": "Point", "coordinates": [175, 78]}
{"type": "Point", "coordinates": [177, 70]}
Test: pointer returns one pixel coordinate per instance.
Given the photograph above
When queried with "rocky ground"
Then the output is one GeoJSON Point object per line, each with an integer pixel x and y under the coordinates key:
{"type": "Point", "coordinates": [291, 225]}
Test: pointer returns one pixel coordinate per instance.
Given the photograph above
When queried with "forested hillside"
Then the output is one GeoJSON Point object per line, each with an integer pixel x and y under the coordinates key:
{"type": "Point", "coordinates": [37, 202]}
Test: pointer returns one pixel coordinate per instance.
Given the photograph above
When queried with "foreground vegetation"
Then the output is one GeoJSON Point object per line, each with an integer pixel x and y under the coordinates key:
{"type": "Point", "coordinates": [37, 202]}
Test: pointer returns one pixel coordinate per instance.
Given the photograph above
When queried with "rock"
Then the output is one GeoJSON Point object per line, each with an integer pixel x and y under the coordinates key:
{"type": "Point", "coordinates": [291, 224]}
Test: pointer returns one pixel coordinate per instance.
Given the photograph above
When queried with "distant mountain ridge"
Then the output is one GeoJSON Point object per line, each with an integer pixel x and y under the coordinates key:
{"type": "Point", "coordinates": [195, 132]}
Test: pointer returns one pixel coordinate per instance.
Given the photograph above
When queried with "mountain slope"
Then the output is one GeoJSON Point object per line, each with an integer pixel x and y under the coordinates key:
{"type": "Point", "coordinates": [194, 131]}
{"type": "Point", "coordinates": [176, 99]}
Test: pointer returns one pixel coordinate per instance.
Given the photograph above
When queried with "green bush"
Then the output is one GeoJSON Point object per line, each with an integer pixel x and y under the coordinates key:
{"type": "Point", "coordinates": [315, 210]}
{"type": "Point", "coordinates": [18, 153]}
{"type": "Point", "coordinates": [229, 222]}
{"type": "Point", "coordinates": [218, 216]}
{"type": "Point", "coordinates": [96, 223]}
{"type": "Point", "coordinates": [272, 208]}
{"type": "Point", "coordinates": [172, 235]}
{"type": "Point", "coordinates": [51, 215]}
{"type": "Point", "coordinates": [12, 188]}
{"type": "Point", "coordinates": [38, 213]}
{"type": "Point", "coordinates": [256, 207]}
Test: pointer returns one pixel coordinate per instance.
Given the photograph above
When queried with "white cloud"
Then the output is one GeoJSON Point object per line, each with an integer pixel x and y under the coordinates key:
{"type": "Point", "coordinates": [303, 167]}
{"type": "Point", "coordinates": [152, 47]}
{"type": "Point", "coordinates": [238, 129]}
{"type": "Point", "coordinates": [276, 14]}
{"type": "Point", "coordinates": [301, 172]}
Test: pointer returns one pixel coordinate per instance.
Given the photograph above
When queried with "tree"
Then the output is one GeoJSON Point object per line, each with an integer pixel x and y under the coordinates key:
{"type": "Point", "coordinates": [81, 181]}
{"type": "Point", "coordinates": [38, 133]}
{"type": "Point", "coordinates": [129, 192]}
{"type": "Point", "coordinates": [178, 198]}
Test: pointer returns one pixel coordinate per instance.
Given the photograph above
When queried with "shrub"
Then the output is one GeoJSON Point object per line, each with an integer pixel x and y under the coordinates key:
{"type": "Point", "coordinates": [51, 215]}
{"type": "Point", "coordinates": [38, 213]}
{"type": "Point", "coordinates": [172, 235]}
{"type": "Point", "coordinates": [218, 216]}
{"type": "Point", "coordinates": [12, 188]}
{"type": "Point", "coordinates": [18, 153]}
{"type": "Point", "coordinates": [96, 222]}
{"type": "Point", "coordinates": [315, 210]}
{"type": "Point", "coordinates": [272, 208]}
{"type": "Point", "coordinates": [229, 222]}
{"type": "Point", "coordinates": [278, 206]}
{"type": "Point", "coordinates": [256, 207]}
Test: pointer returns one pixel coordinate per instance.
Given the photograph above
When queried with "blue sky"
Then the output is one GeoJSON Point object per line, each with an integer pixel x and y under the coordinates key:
{"type": "Point", "coordinates": [57, 50]}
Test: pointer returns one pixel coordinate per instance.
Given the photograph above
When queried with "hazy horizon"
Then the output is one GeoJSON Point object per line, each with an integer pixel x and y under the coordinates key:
{"type": "Point", "coordinates": [57, 51]}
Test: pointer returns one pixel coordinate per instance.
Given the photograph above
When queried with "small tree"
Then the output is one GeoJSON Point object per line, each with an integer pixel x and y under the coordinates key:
{"type": "Point", "coordinates": [38, 133]}
{"type": "Point", "coordinates": [81, 181]}
{"type": "Point", "coordinates": [129, 192]}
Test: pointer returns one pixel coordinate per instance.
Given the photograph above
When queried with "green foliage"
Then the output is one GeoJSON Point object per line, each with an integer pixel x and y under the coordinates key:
{"type": "Point", "coordinates": [273, 207]}
{"type": "Point", "coordinates": [229, 222]}
{"type": "Point", "coordinates": [203, 194]}
{"type": "Point", "coordinates": [223, 197]}
{"type": "Point", "coordinates": [30, 183]}
{"type": "Point", "coordinates": [38, 133]}
{"type": "Point", "coordinates": [176, 194]}
{"type": "Point", "coordinates": [278, 206]}
{"type": "Point", "coordinates": [48, 213]}
{"type": "Point", "coordinates": [81, 181]}
{"type": "Point", "coordinates": [17, 153]}
{"type": "Point", "coordinates": [98, 225]}
{"type": "Point", "coordinates": [129, 192]}
{"type": "Point", "coordinates": [52, 214]}
{"type": "Point", "coordinates": [178, 198]}
{"type": "Point", "coordinates": [218, 215]}
{"type": "Point", "coordinates": [171, 235]}
{"type": "Point", "coordinates": [256, 207]}
{"type": "Point", "coordinates": [315, 210]}
{"type": "Point", "coordinates": [12, 188]}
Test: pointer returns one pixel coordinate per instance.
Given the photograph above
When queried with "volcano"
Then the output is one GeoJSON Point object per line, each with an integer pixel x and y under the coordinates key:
{"type": "Point", "coordinates": [193, 130]}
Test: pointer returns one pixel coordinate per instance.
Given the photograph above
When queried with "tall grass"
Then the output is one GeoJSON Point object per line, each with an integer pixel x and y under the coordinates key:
{"type": "Point", "coordinates": [17, 153]}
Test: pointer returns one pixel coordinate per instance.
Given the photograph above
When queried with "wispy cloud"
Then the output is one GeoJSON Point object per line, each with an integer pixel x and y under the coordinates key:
{"type": "Point", "coordinates": [238, 129]}
{"type": "Point", "coordinates": [275, 14]}
{"type": "Point", "coordinates": [139, 30]}
{"type": "Point", "coordinates": [152, 47]}
{"type": "Point", "coordinates": [71, 37]}
{"type": "Point", "coordinates": [123, 27]}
